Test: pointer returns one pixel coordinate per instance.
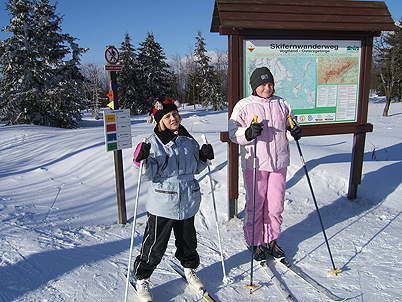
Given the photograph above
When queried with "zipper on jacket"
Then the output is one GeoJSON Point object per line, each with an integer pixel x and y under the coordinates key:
{"type": "Point", "coordinates": [166, 163]}
{"type": "Point", "coordinates": [165, 192]}
{"type": "Point", "coordinates": [195, 191]}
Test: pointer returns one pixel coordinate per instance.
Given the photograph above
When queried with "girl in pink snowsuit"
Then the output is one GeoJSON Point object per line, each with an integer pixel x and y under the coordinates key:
{"type": "Point", "coordinates": [272, 159]}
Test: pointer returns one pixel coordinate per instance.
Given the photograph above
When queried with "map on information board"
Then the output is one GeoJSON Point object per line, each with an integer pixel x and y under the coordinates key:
{"type": "Point", "coordinates": [319, 79]}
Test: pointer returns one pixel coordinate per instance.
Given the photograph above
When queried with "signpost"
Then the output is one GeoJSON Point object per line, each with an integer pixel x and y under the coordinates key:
{"type": "Point", "coordinates": [117, 129]}
{"type": "Point", "coordinates": [112, 55]}
{"type": "Point", "coordinates": [113, 67]}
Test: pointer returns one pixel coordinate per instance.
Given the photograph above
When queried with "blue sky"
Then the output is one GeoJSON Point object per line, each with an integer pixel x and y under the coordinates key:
{"type": "Point", "coordinates": [98, 23]}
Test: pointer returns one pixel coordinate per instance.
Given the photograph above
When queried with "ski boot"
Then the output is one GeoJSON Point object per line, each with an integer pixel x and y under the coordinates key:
{"type": "Point", "coordinates": [142, 287]}
{"type": "Point", "coordinates": [193, 279]}
{"type": "Point", "coordinates": [275, 250]}
{"type": "Point", "coordinates": [258, 252]}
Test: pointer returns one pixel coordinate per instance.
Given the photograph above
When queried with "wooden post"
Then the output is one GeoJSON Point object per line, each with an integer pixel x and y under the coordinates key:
{"type": "Point", "coordinates": [359, 139]}
{"type": "Point", "coordinates": [119, 174]}
{"type": "Point", "coordinates": [118, 164]}
{"type": "Point", "coordinates": [356, 167]}
{"type": "Point", "coordinates": [234, 94]}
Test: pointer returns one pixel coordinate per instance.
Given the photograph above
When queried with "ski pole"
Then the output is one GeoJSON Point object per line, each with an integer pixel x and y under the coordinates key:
{"type": "Point", "coordinates": [252, 286]}
{"type": "Point", "coordinates": [133, 230]}
{"type": "Point", "coordinates": [225, 279]}
{"type": "Point", "coordinates": [334, 269]}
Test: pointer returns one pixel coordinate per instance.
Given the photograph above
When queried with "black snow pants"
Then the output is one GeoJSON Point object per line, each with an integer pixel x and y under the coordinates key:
{"type": "Point", "coordinates": [155, 241]}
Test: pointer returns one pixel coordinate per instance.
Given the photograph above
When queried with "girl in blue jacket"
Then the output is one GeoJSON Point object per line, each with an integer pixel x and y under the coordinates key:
{"type": "Point", "coordinates": [172, 158]}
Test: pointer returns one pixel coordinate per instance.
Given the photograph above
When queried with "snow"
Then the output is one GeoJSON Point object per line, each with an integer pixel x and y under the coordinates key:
{"type": "Point", "coordinates": [60, 239]}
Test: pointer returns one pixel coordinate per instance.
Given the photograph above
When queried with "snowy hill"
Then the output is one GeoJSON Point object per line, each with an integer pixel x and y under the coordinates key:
{"type": "Point", "coordinates": [60, 240]}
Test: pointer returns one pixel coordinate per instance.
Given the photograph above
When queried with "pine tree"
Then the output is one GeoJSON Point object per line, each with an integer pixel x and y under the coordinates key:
{"type": "Point", "coordinates": [39, 85]}
{"type": "Point", "coordinates": [205, 83]}
{"type": "Point", "coordinates": [154, 75]}
{"type": "Point", "coordinates": [17, 63]}
{"type": "Point", "coordinates": [128, 77]}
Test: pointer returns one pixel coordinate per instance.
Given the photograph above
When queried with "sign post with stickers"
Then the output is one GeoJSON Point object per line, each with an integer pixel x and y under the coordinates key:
{"type": "Point", "coordinates": [117, 129]}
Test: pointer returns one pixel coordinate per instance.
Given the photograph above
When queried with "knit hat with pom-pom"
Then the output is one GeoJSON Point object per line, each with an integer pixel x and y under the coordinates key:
{"type": "Point", "coordinates": [160, 108]}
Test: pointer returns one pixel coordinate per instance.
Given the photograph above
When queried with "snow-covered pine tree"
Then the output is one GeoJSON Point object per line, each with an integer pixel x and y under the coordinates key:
{"type": "Point", "coordinates": [38, 85]}
{"type": "Point", "coordinates": [209, 89]}
{"type": "Point", "coordinates": [17, 64]}
{"type": "Point", "coordinates": [153, 74]}
{"type": "Point", "coordinates": [128, 77]}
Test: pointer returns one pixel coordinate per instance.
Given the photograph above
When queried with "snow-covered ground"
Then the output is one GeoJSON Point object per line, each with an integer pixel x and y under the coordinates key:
{"type": "Point", "coordinates": [60, 239]}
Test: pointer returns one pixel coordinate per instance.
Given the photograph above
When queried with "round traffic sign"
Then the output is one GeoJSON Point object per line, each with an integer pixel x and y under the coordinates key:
{"type": "Point", "coordinates": [112, 55]}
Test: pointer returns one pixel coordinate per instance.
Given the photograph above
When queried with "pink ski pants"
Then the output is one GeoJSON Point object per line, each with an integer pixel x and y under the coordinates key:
{"type": "Point", "coordinates": [269, 201]}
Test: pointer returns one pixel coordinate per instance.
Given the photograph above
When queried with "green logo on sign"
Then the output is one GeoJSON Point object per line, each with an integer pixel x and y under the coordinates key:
{"type": "Point", "coordinates": [353, 48]}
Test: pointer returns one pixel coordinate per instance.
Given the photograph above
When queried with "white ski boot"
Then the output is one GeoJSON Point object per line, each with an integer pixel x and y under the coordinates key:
{"type": "Point", "coordinates": [193, 279]}
{"type": "Point", "coordinates": [142, 287]}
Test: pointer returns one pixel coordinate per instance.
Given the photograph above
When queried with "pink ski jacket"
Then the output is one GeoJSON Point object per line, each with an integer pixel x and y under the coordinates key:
{"type": "Point", "coordinates": [272, 144]}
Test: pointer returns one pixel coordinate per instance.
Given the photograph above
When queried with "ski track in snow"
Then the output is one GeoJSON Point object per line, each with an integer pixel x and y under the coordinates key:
{"type": "Point", "coordinates": [60, 240]}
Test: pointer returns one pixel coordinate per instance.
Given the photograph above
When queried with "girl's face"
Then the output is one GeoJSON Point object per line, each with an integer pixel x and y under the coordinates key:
{"type": "Point", "coordinates": [171, 120]}
{"type": "Point", "coordinates": [265, 90]}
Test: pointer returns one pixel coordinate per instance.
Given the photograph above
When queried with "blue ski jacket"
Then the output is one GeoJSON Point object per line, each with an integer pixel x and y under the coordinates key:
{"type": "Point", "coordinates": [173, 161]}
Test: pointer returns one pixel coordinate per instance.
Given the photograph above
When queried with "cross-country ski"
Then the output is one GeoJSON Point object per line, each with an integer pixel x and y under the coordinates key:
{"type": "Point", "coordinates": [303, 276]}
{"type": "Point", "coordinates": [281, 287]}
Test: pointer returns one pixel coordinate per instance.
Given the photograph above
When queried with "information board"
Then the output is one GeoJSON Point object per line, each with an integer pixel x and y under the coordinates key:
{"type": "Point", "coordinates": [117, 129]}
{"type": "Point", "coordinates": [319, 78]}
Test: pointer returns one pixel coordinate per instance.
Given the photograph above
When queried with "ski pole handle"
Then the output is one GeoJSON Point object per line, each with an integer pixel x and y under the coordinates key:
{"type": "Point", "coordinates": [292, 124]}
{"type": "Point", "coordinates": [204, 138]}
{"type": "Point", "coordinates": [255, 120]}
